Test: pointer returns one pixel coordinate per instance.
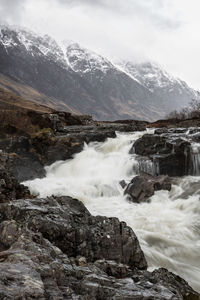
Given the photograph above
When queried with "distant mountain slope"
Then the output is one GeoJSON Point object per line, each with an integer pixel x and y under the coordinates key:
{"type": "Point", "coordinates": [37, 62]}
{"type": "Point", "coordinates": [168, 90]}
{"type": "Point", "coordinates": [31, 94]}
{"type": "Point", "coordinates": [118, 93]}
{"type": "Point", "coordinates": [74, 78]}
{"type": "Point", "coordinates": [9, 101]}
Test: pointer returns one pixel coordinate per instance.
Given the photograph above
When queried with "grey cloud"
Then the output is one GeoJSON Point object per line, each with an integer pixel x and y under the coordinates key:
{"type": "Point", "coordinates": [85, 2]}
{"type": "Point", "coordinates": [11, 10]}
{"type": "Point", "coordinates": [152, 10]}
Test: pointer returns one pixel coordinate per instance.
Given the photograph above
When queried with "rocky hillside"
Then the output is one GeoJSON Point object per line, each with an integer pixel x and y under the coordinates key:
{"type": "Point", "coordinates": [75, 79]}
{"type": "Point", "coordinates": [169, 91]}
{"type": "Point", "coordinates": [118, 95]}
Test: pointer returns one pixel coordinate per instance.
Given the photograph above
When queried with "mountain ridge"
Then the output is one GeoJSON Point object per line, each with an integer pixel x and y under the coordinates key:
{"type": "Point", "coordinates": [81, 80]}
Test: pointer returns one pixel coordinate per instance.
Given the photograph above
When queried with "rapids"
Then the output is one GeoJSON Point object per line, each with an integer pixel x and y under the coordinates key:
{"type": "Point", "coordinates": [168, 227]}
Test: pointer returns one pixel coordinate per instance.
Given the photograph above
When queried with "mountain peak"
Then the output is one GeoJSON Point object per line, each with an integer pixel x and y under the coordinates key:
{"type": "Point", "coordinates": [84, 60]}
{"type": "Point", "coordinates": [88, 82]}
{"type": "Point", "coordinates": [22, 38]}
{"type": "Point", "coordinates": [152, 75]}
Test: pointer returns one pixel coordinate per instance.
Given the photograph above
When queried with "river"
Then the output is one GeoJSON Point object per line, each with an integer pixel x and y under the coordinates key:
{"type": "Point", "coordinates": [168, 227]}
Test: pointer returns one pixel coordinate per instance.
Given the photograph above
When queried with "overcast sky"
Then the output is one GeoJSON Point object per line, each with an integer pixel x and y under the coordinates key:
{"type": "Point", "coordinates": [166, 31]}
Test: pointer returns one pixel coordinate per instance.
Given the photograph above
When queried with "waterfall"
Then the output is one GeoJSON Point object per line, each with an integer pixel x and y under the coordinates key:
{"type": "Point", "coordinates": [144, 164]}
{"type": "Point", "coordinates": [195, 158]}
{"type": "Point", "coordinates": [168, 227]}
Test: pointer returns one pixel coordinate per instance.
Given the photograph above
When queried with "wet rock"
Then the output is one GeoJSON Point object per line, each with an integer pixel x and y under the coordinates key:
{"type": "Point", "coordinates": [161, 131]}
{"type": "Point", "coordinates": [175, 283]}
{"type": "Point", "coordinates": [57, 120]}
{"type": "Point", "coordinates": [114, 269]}
{"type": "Point", "coordinates": [81, 261]}
{"type": "Point", "coordinates": [150, 144]}
{"type": "Point", "coordinates": [68, 225]}
{"type": "Point", "coordinates": [124, 125]}
{"type": "Point", "coordinates": [44, 136]}
{"type": "Point", "coordinates": [123, 183]}
{"type": "Point", "coordinates": [170, 156]}
{"type": "Point", "coordinates": [9, 187]}
{"type": "Point", "coordinates": [26, 163]}
{"type": "Point", "coordinates": [62, 147]}
{"type": "Point", "coordinates": [31, 267]}
{"type": "Point", "coordinates": [71, 139]}
{"type": "Point", "coordinates": [141, 125]}
{"type": "Point", "coordinates": [171, 131]}
{"type": "Point", "coordinates": [142, 187]}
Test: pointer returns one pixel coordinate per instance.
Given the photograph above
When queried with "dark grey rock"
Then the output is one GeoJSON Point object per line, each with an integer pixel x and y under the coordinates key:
{"type": "Point", "coordinates": [31, 267]}
{"type": "Point", "coordinates": [9, 187]}
{"type": "Point", "coordinates": [142, 187]}
{"type": "Point", "coordinates": [170, 156]}
{"type": "Point", "coordinates": [123, 183]}
{"type": "Point", "coordinates": [68, 225]}
{"type": "Point", "coordinates": [26, 163]}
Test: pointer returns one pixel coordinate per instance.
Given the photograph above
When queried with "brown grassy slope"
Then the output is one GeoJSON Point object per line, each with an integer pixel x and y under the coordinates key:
{"type": "Point", "coordinates": [27, 92]}
{"type": "Point", "coordinates": [14, 114]}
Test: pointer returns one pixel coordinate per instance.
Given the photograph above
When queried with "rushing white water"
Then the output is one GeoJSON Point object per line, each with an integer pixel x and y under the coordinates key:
{"type": "Point", "coordinates": [195, 158]}
{"type": "Point", "coordinates": [168, 227]}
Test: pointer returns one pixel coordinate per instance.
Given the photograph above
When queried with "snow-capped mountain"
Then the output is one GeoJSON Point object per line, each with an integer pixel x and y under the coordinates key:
{"type": "Point", "coordinates": [163, 85]}
{"type": "Point", "coordinates": [117, 92]}
{"type": "Point", "coordinates": [85, 61]}
{"type": "Point", "coordinates": [87, 82]}
{"type": "Point", "coordinates": [34, 44]}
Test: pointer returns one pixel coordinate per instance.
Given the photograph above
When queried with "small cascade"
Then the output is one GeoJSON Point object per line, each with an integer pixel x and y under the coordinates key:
{"type": "Point", "coordinates": [167, 226]}
{"type": "Point", "coordinates": [144, 164]}
{"type": "Point", "coordinates": [195, 158]}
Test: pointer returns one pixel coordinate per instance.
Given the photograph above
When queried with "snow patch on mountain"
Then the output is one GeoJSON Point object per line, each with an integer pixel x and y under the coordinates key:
{"type": "Point", "coordinates": [82, 60]}
{"type": "Point", "coordinates": [134, 84]}
{"type": "Point", "coordinates": [33, 43]}
{"type": "Point", "coordinates": [153, 77]}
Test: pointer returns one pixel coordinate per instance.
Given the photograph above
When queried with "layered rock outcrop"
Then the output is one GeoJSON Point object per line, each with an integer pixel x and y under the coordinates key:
{"type": "Point", "coordinates": [9, 187]}
{"type": "Point", "coordinates": [68, 225]}
{"type": "Point", "coordinates": [32, 266]}
{"type": "Point", "coordinates": [39, 135]}
{"type": "Point", "coordinates": [170, 154]}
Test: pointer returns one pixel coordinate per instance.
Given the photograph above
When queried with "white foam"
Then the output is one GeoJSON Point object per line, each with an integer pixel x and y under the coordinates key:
{"type": "Point", "coordinates": [168, 227]}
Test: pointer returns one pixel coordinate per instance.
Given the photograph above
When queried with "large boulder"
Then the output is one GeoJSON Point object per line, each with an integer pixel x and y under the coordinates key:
{"type": "Point", "coordinates": [68, 225]}
{"type": "Point", "coordinates": [170, 156]}
{"type": "Point", "coordinates": [31, 267]}
{"type": "Point", "coordinates": [150, 144]}
{"type": "Point", "coordinates": [142, 187]}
